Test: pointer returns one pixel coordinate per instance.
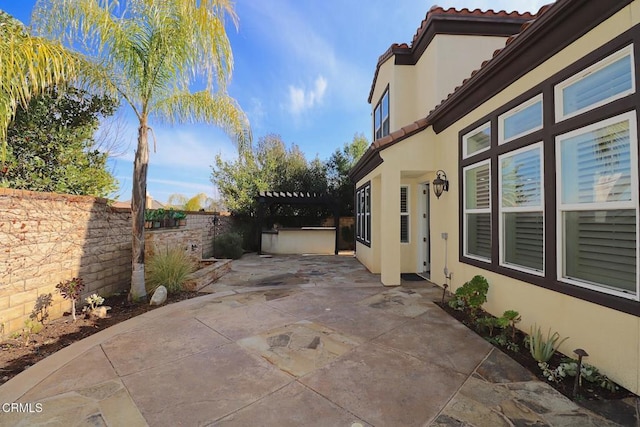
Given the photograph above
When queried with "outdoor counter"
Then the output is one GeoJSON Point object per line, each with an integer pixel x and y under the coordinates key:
{"type": "Point", "coordinates": [304, 240]}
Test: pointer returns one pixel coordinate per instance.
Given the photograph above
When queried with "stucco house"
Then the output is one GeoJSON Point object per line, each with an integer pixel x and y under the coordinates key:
{"type": "Point", "coordinates": [531, 121]}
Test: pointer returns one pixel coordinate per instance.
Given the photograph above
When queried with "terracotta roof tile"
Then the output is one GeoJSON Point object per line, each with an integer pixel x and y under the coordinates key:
{"type": "Point", "coordinates": [437, 10]}
{"type": "Point", "coordinates": [404, 48]}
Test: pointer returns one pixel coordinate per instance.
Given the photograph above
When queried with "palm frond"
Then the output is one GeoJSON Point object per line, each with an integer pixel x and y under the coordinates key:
{"type": "Point", "coordinates": [204, 107]}
{"type": "Point", "coordinates": [28, 65]}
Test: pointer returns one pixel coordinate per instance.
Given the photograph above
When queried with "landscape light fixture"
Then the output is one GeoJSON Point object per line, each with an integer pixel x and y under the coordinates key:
{"type": "Point", "coordinates": [440, 184]}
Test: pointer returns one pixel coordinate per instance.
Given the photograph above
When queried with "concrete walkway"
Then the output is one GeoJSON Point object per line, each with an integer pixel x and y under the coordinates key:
{"type": "Point", "coordinates": [289, 341]}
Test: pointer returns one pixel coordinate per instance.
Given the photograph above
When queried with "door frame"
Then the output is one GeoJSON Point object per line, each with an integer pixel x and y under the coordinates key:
{"type": "Point", "coordinates": [424, 218]}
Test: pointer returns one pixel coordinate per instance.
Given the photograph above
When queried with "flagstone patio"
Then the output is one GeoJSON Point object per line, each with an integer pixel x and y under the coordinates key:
{"type": "Point", "coordinates": [290, 341]}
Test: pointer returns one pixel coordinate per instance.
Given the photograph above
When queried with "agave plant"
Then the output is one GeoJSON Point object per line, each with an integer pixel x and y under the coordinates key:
{"type": "Point", "coordinates": [542, 349]}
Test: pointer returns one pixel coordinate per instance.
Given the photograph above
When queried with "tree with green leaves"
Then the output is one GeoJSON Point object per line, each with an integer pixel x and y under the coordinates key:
{"type": "Point", "coordinates": [150, 53]}
{"type": "Point", "coordinates": [270, 166]}
{"type": "Point", "coordinates": [28, 65]}
{"type": "Point", "coordinates": [52, 147]}
{"type": "Point", "coordinates": [338, 166]}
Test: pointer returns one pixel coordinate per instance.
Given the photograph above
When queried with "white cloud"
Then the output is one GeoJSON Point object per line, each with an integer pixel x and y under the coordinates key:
{"type": "Point", "coordinates": [301, 100]}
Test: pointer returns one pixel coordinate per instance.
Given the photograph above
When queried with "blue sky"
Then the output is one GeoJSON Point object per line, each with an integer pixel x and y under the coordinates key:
{"type": "Point", "coordinates": [303, 70]}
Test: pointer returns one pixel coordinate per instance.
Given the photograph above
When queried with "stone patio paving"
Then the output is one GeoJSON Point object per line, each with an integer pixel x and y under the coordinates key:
{"type": "Point", "coordinates": [290, 341]}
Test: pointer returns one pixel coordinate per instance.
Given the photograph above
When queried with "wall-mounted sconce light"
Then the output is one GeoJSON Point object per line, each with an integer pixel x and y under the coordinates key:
{"type": "Point", "coordinates": [440, 184]}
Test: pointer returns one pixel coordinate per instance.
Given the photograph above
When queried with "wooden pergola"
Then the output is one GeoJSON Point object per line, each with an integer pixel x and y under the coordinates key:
{"type": "Point", "coordinates": [268, 198]}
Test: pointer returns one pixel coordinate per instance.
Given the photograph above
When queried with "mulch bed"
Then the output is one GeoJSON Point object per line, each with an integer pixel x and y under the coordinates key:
{"type": "Point", "coordinates": [15, 356]}
{"type": "Point", "coordinates": [587, 392]}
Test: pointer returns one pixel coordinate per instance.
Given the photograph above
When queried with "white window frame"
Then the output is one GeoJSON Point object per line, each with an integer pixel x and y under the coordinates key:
{"type": "Point", "coordinates": [406, 214]}
{"type": "Point", "coordinates": [516, 110]}
{"type": "Point", "coordinates": [474, 132]}
{"type": "Point", "coordinates": [626, 205]}
{"type": "Point", "coordinates": [467, 211]}
{"type": "Point", "coordinates": [539, 208]}
{"type": "Point", "coordinates": [559, 88]}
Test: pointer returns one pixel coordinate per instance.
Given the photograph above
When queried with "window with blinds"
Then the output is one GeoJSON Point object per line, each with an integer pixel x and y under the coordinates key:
{"type": "Point", "coordinates": [404, 214]}
{"type": "Point", "coordinates": [477, 211]}
{"type": "Point", "coordinates": [521, 209]}
{"type": "Point", "coordinates": [597, 205]}
{"type": "Point", "coordinates": [363, 214]}
{"type": "Point", "coordinates": [477, 141]}
{"type": "Point", "coordinates": [603, 82]}
{"type": "Point", "coordinates": [521, 120]}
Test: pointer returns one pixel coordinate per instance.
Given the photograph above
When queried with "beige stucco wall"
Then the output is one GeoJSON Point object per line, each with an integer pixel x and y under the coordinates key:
{"type": "Point", "coordinates": [416, 90]}
{"type": "Point", "coordinates": [611, 338]}
{"type": "Point", "coordinates": [305, 240]}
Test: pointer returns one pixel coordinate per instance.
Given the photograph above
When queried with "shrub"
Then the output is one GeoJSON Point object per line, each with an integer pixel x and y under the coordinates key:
{"type": "Point", "coordinates": [228, 246]}
{"type": "Point", "coordinates": [170, 269]}
{"type": "Point", "coordinates": [471, 296]}
{"type": "Point", "coordinates": [542, 349]}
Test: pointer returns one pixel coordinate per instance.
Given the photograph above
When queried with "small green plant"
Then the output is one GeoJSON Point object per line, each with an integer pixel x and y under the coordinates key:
{"type": "Point", "coordinates": [228, 245]}
{"type": "Point", "coordinates": [71, 289]}
{"type": "Point", "coordinates": [94, 301]}
{"type": "Point", "coordinates": [542, 349]}
{"type": "Point", "coordinates": [471, 296]}
{"type": "Point", "coordinates": [170, 269]}
{"type": "Point", "coordinates": [511, 317]}
{"type": "Point", "coordinates": [500, 340]}
{"type": "Point", "coordinates": [513, 346]}
{"type": "Point", "coordinates": [569, 368]}
{"type": "Point", "coordinates": [491, 323]}
{"type": "Point", "coordinates": [31, 327]}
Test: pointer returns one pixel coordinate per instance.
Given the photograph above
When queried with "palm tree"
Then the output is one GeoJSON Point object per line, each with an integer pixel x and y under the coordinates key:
{"type": "Point", "coordinates": [150, 53]}
{"type": "Point", "coordinates": [28, 65]}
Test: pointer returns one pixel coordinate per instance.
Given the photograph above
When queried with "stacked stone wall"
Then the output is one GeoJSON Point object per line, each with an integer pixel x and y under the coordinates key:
{"type": "Point", "coordinates": [204, 222]}
{"type": "Point", "coordinates": [47, 238]}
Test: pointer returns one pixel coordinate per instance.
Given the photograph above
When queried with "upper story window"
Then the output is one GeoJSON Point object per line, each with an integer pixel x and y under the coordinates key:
{"type": "Point", "coordinates": [599, 84]}
{"type": "Point", "coordinates": [477, 141]}
{"type": "Point", "coordinates": [381, 116]}
{"type": "Point", "coordinates": [521, 120]}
